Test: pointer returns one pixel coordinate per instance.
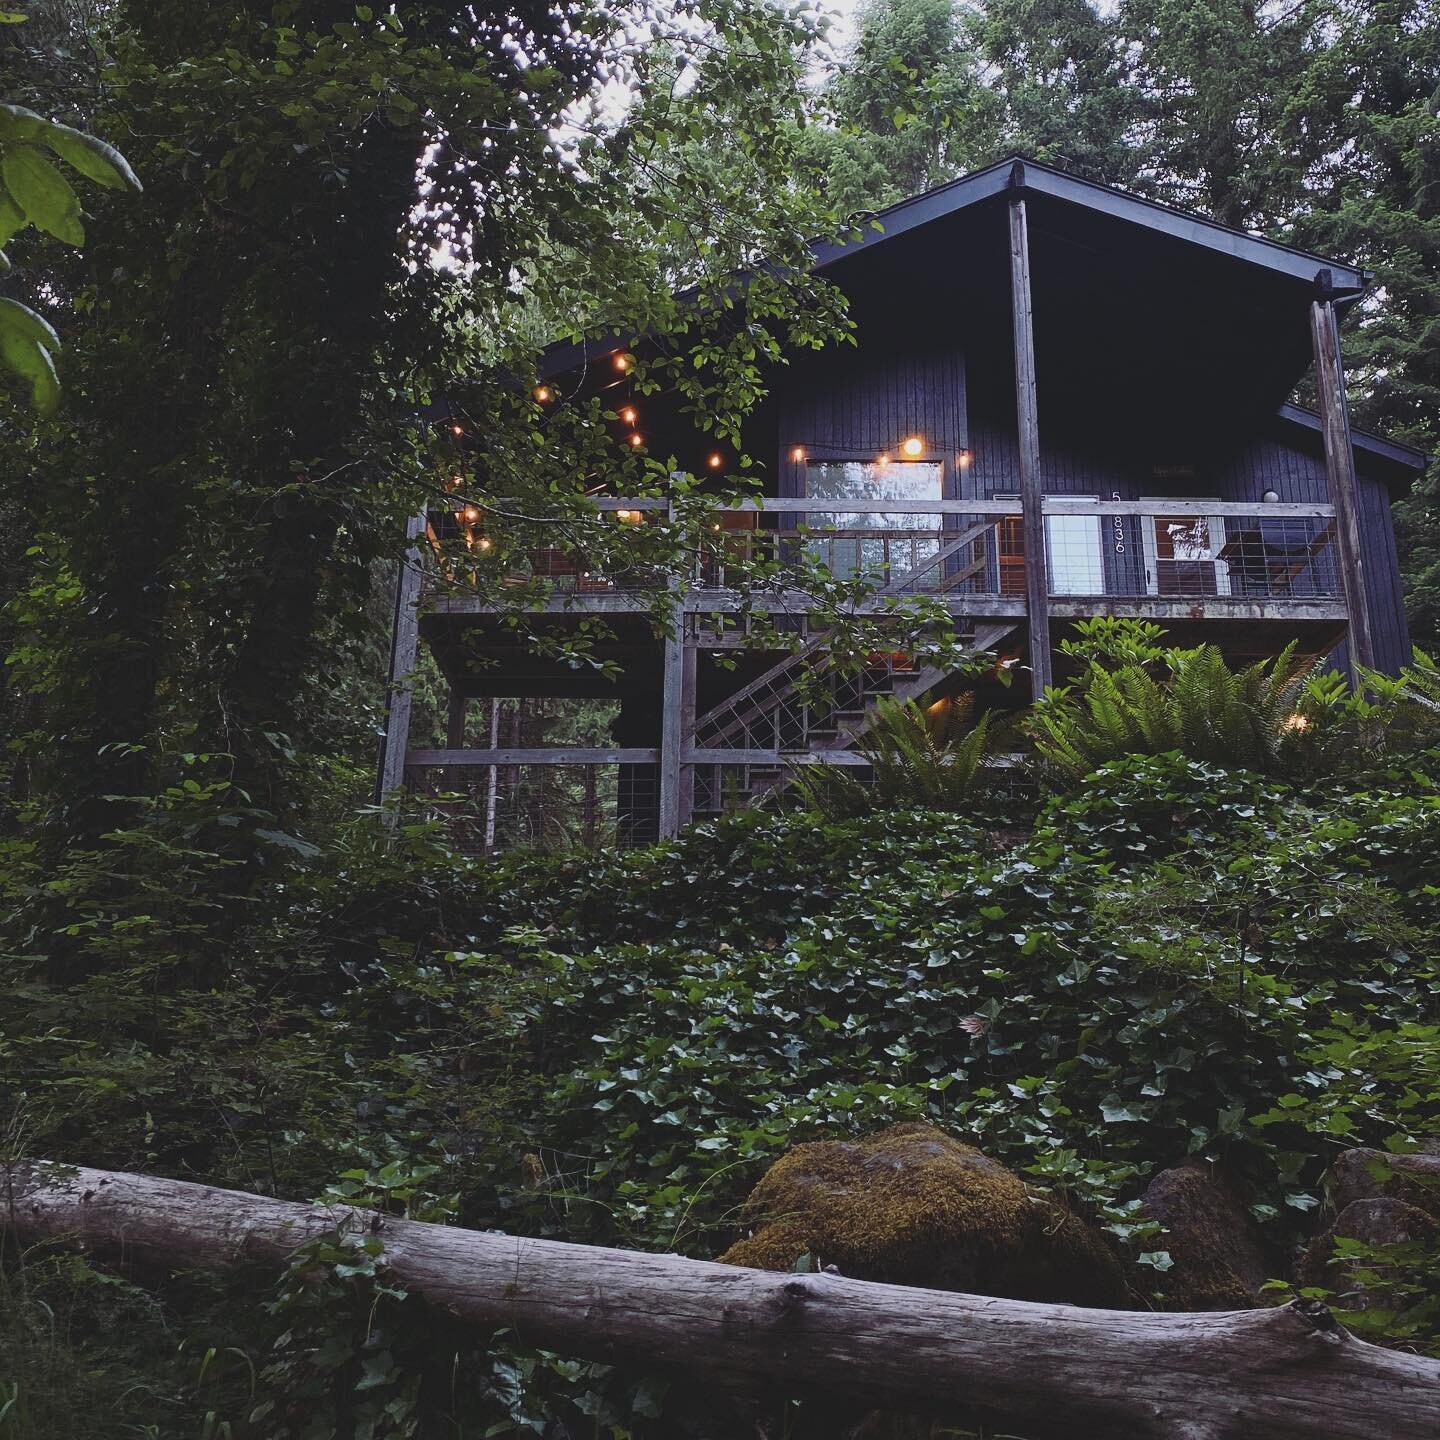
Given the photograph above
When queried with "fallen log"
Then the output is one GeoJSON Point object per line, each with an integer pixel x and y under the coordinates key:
{"type": "Point", "coordinates": [1043, 1369]}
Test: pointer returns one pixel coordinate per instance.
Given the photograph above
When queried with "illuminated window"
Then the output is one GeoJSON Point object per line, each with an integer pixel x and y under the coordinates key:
{"type": "Point", "coordinates": [888, 543]}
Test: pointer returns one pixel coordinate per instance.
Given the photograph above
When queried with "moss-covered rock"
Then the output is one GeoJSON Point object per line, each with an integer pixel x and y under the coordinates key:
{"type": "Point", "coordinates": [1362, 1174]}
{"type": "Point", "coordinates": [914, 1206]}
{"type": "Point", "coordinates": [1219, 1261]}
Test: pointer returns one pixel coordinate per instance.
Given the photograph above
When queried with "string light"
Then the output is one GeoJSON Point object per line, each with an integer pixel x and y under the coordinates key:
{"type": "Point", "coordinates": [544, 394]}
{"type": "Point", "coordinates": [714, 460]}
{"type": "Point", "coordinates": [882, 458]}
{"type": "Point", "coordinates": [629, 414]}
{"type": "Point", "coordinates": [637, 439]}
{"type": "Point", "coordinates": [483, 543]}
{"type": "Point", "coordinates": [914, 447]}
{"type": "Point", "coordinates": [457, 429]}
{"type": "Point", "coordinates": [471, 513]}
{"type": "Point", "coordinates": [798, 454]}
{"type": "Point", "coordinates": [964, 458]}
{"type": "Point", "coordinates": [622, 362]}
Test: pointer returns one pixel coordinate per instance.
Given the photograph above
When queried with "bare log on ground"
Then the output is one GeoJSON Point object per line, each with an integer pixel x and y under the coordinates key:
{"type": "Point", "coordinates": [1042, 1369]}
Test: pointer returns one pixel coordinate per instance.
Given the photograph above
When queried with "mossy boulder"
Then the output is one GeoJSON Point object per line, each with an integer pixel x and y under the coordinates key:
{"type": "Point", "coordinates": [1219, 1260]}
{"type": "Point", "coordinates": [1362, 1174]}
{"type": "Point", "coordinates": [914, 1206]}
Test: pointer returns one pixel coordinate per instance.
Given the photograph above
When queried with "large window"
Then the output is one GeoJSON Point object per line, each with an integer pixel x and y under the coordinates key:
{"type": "Point", "coordinates": [886, 545]}
{"type": "Point", "coordinates": [1072, 543]}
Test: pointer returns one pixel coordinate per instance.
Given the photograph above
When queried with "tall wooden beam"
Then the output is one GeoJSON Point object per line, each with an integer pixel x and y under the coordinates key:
{"type": "Point", "coordinates": [672, 688]}
{"type": "Point", "coordinates": [689, 664]}
{"type": "Point", "coordinates": [1340, 468]}
{"type": "Point", "coordinates": [1037, 569]}
{"type": "Point", "coordinates": [455, 732]}
{"type": "Point", "coordinates": [404, 650]}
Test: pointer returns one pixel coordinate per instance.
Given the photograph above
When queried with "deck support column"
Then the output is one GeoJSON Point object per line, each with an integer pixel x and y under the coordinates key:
{"type": "Point", "coordinates": [404, 650]}
{"type": "Point", "coordinates": [672, 706]}
{"type": "Point", "coordinates": [1340, 470]}
{"type": "Point", "coordinates": [1032, 506]}
{"type": "Point", "coordinates": [455, 733]}
{"type": "Point", "coordinates": [689, 664]}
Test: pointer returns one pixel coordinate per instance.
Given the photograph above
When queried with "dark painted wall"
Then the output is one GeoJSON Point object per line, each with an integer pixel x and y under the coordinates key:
{"type": "Point", "coordinates": [850, 405]}
{"type": "Point", "coordinates": [854, 403]}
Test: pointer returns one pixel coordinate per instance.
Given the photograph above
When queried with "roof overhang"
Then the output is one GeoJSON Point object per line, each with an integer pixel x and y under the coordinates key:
{"type": "Point", "coordinates": [1028, 176]}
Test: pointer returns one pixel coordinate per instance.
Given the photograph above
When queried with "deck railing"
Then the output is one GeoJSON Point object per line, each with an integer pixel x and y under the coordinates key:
{"type": "Point", "coordinates": [1167, 549]}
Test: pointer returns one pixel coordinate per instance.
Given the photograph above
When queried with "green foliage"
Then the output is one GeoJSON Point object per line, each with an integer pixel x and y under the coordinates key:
{"type": "Point", "coordinates": [1198, 707]}
{"type": "Point", "coordinates": [1179, 958]}
{"type": "Point", "coordinates": [33, 191]}
{"type": "Point", "coordinates": [918, 758]}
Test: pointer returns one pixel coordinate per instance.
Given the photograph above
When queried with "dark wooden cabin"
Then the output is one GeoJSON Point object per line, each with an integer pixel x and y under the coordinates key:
{"type": "Point", "coordinates": [1037, 355]}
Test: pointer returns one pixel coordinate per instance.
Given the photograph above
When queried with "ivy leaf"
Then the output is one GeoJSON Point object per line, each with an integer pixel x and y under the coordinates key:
{"type": "Point", "coordinates": [43, 193]}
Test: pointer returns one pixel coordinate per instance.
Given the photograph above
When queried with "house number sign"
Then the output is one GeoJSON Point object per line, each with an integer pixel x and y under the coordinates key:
{"type": "Point", "coordinates": [1119, 521]}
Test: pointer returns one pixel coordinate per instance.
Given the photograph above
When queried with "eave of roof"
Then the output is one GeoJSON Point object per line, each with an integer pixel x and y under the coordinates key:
{"type": "Point", "coordinates": [1405, 456]}
{"type": "Point", "coordinates": [1345, 282]}
{"type": "Point", "coordinates": [1019, 172]}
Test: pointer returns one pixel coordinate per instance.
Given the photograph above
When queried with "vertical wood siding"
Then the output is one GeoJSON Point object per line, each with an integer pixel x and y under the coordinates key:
{"type": "Point", "coordinates": [853, 406]}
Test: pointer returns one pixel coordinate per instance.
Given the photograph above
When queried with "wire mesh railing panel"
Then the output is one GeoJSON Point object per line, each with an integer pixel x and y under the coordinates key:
{"type": "Point", "coordinates": [1121, 549]}
{"type": "Point", "coordinates": [491, 809]}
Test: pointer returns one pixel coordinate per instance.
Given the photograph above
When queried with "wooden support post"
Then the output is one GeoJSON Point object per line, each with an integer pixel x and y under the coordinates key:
{"type": "Point", "coordinates": [689, 662]}
{"type": "Point", "coordinates": [671, 688]}
{"type": "Point", "coordinates": [1037, 569]}
{"type": "Point", "coordinates": [672, 685]}
{"type": "Point", "coordinates": [455, 733]}
{"type": "Point", "coordinates": [1340, 469]}
{"type": "Point", "coordinates": [492, 778]}
{"type": "Point", "coordinates": [404, 649]}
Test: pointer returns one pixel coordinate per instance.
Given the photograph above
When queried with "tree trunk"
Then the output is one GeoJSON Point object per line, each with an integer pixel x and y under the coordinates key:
{"type": "Point", "coordinates": [1047, 1369]}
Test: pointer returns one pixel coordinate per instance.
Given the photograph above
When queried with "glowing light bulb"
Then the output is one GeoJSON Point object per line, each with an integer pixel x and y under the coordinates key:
{"type": "Point", "coordinates": [714, 460]}
{"type": "Point", "coordinates": [882, 459]}
{"type": "Point", "coordinates": [914, 447]}
{"type": "Point", "coordinates": [457, 429]}
{"type": "Point", "coordinates": [622, 515]}
{"type": "Point", "coordinates": [471, 513]}
{"type": "Point", "coordinates": [629, 414]}
{"type": "Point", "coordinates": [544, 394]}
{"type": "Point", "coordinates": [484, 542]}
{"type": "Point", "coordinates": [637, 439]}
{"type": "Point", "coordinates": [964, 458]}
{"type": "Point", "coordinates": [798, 454]}
{"type": "Point", "coordinates": [622, 362]}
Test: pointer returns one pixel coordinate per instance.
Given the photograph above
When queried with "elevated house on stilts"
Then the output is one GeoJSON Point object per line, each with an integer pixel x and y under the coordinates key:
{"type": "Point", "coordinates": [1065, 401]}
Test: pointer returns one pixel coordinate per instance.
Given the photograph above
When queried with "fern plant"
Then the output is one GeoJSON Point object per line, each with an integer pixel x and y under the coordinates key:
{"type": "Point", "coordinates": [918, 758]}
{"type": "Point", "coordinates": [1196, 705]}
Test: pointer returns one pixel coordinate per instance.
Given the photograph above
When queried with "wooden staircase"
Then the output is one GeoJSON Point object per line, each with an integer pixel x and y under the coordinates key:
{"type": "Point", "coordinates": [803, 705]}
